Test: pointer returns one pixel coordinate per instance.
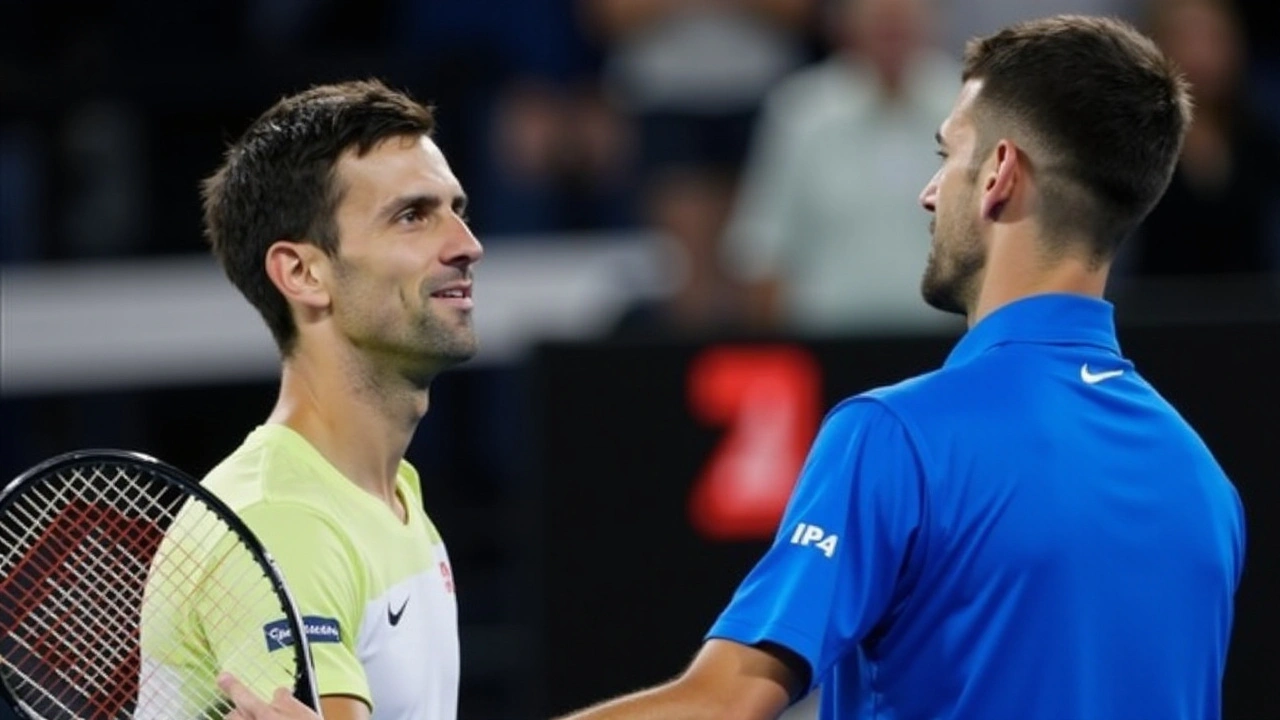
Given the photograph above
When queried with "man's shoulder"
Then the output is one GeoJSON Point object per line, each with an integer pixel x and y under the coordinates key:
{"type": "Point", "coordinates": [278, 497]}
{"type": "Point", "coordinates": [269, 468]}
{"type": "Point", "coordinates": [937, 396]}
{"type": "Point", "coordinates": [884, 407]}
{"type": "Point", "coordinates": [925, 387]}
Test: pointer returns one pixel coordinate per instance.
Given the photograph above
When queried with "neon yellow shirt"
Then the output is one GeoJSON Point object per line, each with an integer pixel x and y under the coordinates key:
{"type": "Point", "coordinates": [376, 594]}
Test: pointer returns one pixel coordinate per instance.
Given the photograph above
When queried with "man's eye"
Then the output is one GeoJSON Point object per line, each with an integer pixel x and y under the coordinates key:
{"type": "Point", "coordinates": [409, 216]}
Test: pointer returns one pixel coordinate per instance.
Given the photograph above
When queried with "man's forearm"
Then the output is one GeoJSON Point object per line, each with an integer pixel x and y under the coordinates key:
{"type": "Point", "coordinates": [664, 702]}
{"type": "Point", "coordinates": [726, 680]}
{"type": "Point", "coordinates": [685, 699]}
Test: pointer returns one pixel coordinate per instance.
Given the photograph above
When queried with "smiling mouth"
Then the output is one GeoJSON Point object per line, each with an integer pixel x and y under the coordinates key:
{"type": "Point", "coordinates": [457, 296]}
{"type": "Point", "coordinates": [455, 293]}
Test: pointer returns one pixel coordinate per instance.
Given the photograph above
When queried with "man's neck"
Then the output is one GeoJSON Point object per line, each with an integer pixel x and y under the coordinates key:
{"type": "Point", "coordinates": [1012, 274]}
{"type": "Point", "coordinates": [360, 421]}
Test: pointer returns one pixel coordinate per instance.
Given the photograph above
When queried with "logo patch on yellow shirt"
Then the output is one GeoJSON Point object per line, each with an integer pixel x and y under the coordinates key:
{"type": "Point", "coordinates": [318, 629]}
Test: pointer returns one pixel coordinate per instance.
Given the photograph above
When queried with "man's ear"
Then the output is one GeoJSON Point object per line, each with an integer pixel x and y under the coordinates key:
{"type": "Point", "coordinates": [1002, 180]}
{"type": "Point", "coordinates": [300, 271]}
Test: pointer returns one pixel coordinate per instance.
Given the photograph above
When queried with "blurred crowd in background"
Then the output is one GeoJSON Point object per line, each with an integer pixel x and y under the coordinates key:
{"type": "Point", "coordinates": [779, 146]}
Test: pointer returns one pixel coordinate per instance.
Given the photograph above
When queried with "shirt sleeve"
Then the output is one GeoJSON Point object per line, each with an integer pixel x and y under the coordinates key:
{"type": "Point", "coordinates": [198, 556]}
{"type": "Point", "coordinates": [831, 574]}
{"type": "Point", "coordinates": [321, 571]}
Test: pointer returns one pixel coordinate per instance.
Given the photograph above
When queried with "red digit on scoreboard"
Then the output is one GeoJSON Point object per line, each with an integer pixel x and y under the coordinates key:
{"type": "Point", "coordinates": [768, 400]}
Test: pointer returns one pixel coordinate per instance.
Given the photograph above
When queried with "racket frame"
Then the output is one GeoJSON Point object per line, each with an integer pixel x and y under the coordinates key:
{"type": "Point", "coordinates": [305, 689]}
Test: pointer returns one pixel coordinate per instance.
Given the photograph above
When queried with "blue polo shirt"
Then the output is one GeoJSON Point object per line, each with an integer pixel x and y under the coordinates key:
{"type": "Point", "coordinates": [1029, 532]}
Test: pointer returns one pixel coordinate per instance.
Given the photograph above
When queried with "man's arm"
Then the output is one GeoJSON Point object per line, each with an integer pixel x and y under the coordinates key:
{"type": "Point", "coordinates": [725, 680]}
{"type": "Point", "coordinates": [322, 572]}
{"type": "Point", "coordinates": [810, 599]}
{"type": "Point", "coordinates": [343, 707]}
{"type": "Point", "coordinates": [765, 229]}
{"type": "Point", "coordinates": [283, 706]}
{"type": "Point", "coordinates": [764, 302]}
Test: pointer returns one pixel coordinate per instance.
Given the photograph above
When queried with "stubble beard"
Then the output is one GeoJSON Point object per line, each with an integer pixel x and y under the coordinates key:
{"type": "Point", "coordinates": [955, 263]}
{"type": "Point", "coordinates": [430, 340]}
{"type": "Point", "coordinates": [443, 337]}
{"type": "Point", "coordinates": [447, 343]}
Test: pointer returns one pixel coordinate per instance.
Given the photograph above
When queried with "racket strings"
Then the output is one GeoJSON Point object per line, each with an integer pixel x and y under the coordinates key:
{"type": "Point", "coordinates": [69, 577]}
{"type": "Point", "coordinates": [205, 571]}
{"type": "Point", "coordinates": [85, 558]}
{"type": "Point", "coordinates": [202, 572]}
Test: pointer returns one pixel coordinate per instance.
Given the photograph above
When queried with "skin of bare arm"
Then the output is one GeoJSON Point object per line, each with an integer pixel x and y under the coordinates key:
{"type": "Point", "coordinates": [283, 706]}
{"type": "Point", "coordinates": [725, 680]}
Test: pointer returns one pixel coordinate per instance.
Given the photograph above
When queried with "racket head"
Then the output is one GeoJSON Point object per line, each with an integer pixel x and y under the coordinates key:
{"type": "Point", "coordinates": [90, 542]}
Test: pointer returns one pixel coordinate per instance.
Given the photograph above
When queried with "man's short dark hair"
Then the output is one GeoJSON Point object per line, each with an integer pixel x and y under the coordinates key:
{"type": "Point", "coordinates": [1102, 111]}
{"type": "Point", "coordinates": [277, 182]}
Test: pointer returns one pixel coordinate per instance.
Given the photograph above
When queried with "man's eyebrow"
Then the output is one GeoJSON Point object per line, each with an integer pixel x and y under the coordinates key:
{"type": "Point", "coordinates": [423, 203]}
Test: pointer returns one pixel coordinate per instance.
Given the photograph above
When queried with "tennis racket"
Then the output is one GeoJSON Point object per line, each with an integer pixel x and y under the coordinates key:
{"type": "Point", "coordinates": [126, 586]}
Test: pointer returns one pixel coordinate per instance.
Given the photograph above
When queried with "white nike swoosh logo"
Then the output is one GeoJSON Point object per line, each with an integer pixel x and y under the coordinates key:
{"type": "Point", "coordinates": [1095, 378]}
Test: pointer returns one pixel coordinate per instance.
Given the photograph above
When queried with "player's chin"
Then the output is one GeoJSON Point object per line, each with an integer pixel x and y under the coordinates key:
{"type": "Point", "coordinates": [940, 292]}
{"type": "Point", "coordinates": [450, 338]}
{"type": "Point", "coordinates": [460, 348]}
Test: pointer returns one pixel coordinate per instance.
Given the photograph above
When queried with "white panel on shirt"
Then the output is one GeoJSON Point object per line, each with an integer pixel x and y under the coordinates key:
{"type": "Point", "coordinates": [413, 666]}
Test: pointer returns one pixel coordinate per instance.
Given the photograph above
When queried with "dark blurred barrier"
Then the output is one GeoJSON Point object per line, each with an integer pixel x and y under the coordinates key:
{"type": "Point", "coordinates": [635, 565]}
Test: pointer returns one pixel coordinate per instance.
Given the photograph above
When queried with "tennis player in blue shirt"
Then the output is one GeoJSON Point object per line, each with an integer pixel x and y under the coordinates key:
{"type": "Point", "coordinates": [1030, 532]}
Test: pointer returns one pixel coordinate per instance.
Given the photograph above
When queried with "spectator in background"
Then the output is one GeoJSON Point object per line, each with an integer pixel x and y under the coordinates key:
{"type": "Point", "coordinates": [73, 174]}
{"type": "Point", "coordinates": [701, 299]}
{"type": "Point", "coordinates": [1262, 37]}
{"type": "Point", "coordinates": [550, 155]}
{"type": "Point", "coordinates": [824, 229]}
{"type": "Point", "coordinates": [558, 158]}
{"type": "Point", "coordinates": [1221, 214]}
{"type": "Point", "coordinates": [692, 75]}
{"type": "Point", "coordinates": [513, 82]}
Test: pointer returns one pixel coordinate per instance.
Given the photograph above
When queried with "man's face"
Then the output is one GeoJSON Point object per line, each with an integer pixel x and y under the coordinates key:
{"type": "Point", "coordinates": [402, 278]}
{"type": "Point", "coordinates": [957, 255]}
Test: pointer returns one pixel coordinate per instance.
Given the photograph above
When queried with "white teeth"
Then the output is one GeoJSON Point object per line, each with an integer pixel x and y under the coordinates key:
{"type": "Point", "coordinates": [452, 294]}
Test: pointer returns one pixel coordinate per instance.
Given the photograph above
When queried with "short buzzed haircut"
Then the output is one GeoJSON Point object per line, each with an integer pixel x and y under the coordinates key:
{"type": "Point", "coordinates": [1103, 111]}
